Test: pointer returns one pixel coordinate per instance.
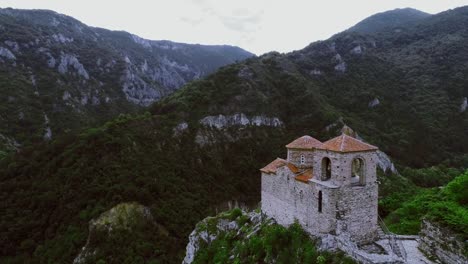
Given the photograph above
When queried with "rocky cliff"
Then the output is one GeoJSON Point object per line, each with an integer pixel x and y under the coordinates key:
{"type": "Point", "coordinates": [442, 243]}
{"type": "Point", "coordinates": [250, 237]}
{"type": "Point", "coordinates": [75, 74]}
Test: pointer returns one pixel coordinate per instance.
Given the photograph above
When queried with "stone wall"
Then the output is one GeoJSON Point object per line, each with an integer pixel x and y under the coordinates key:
{"type": "Point", "coordinates": [285, 200]}
{"type": "Point", "coordinates": [346, 208]}
{"type": "Point", "coordinates": [442, 243]}
{"type": "Point", "coordinates": [294, 156]}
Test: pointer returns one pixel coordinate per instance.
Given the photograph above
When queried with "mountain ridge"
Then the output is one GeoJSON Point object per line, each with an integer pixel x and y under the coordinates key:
{"type": "Point", "coordinates": [58, 75]}
{"type": "Point", "coordinates": [199, 147]}
{"type": "Point", "coordinates": [392, 19]}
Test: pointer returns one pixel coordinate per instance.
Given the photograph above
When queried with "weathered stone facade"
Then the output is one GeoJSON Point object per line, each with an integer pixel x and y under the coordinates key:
{"type": "Point", "coordinates": [335, 199]}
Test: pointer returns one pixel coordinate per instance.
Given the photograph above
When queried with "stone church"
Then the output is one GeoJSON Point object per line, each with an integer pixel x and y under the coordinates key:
{"type": "Point", "coordinates": [329, 187]}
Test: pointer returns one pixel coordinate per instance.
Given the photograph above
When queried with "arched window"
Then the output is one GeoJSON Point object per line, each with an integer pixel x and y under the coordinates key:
{"type": "Point", "coordinates": [358, 176]}
{"type": "Point", "coordinates": [302, 159]}
{"type": "Point", "coordinates": [326, 169]}
{"type": "Point", "coordinates": [320, 202]}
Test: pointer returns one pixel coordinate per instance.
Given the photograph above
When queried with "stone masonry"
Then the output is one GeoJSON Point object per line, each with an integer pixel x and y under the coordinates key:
{"type": "Point", "coordinates": [330, 188]}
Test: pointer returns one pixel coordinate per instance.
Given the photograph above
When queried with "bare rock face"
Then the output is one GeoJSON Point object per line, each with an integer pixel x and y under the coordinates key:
{"type": "Point", "coordinates": [464, 105]}
{"type": "Point", "coordinates": [61, 38]}
{"type": "Point", "coordinates": [341, 67]}
{"type": "Point", "coordinates": [6, 53]}
{"type": "Point", "coordinates": [375, 102]}
{"type": "Point", "coordinates": [442, 243]}
{"type": "Point", "coordinates": [210, 228]}
{"type": "Point", "coordinates": [222, 121]}
{"type": "Point", "coordinates": [68, 60]}
{"type": "Point", "coordinates": [357, 50]}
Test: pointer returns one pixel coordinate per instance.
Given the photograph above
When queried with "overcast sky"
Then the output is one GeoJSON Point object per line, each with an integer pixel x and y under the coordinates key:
{"type": "Point", "coordinates": [255, 25]}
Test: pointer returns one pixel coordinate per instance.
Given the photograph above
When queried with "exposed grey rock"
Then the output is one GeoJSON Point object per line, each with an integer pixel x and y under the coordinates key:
{"type": "Point", "coordinates": [375, 102]}
{"type": "Point", "coordinates": [144, 42]}
{"type": "Point", "coordinates": [124, 216]}
{"type": "Point", "coordinates": [6, 53]}
{"type": "Point", "coordinates": [51, 60]}
{"type": "Point", "coordinates": [12, 44]}
{"type": "Point", "coordinates": [61, 38]}
{"type": "Point", "coordinates": [66, 95]}
{"type": "Point", "coordinates": [33, 80]}
{"type": "Point", "coordinates": [137, 90]}
{"type": "Point", "coordinates": [221, 121]}
{"type": "Point", "coordinates": [84, 99]}
{"type": "Point", "coordinates": [316, 72]}
{"type": "Point", "coordinates": [201, 235]}
{"type": "Point", "coordinates": [442, 243]}
{"type": "Point", "coordinates": [341, 67]}
{"type": "Point", "coordinates": [95, 100]}
{"type": "Point", "coordinates": [127, 60]}
{"type": "Point", "coordinates": [385, 163]}
{"type": "Point", "coordinates": [337, 58]}
{"type": "Point", "coordinates": [464, 105]}
{"type": "Point", "coordinates": [181, 127]}
{"type": "Point", "coordinates": [357, 50]}
{"type": "Point", "coordinates": [48, 131]}
{"type": "Point", "coordinates": [68, 60]}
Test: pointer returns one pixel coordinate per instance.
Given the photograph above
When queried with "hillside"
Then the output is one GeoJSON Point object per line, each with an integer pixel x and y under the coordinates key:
{"type": "Point", "coordinates": [202, 146]}
{"type": "Point", "coordinates": [58, 74]}
{"type": "Point", "coordinates": [389, 20]}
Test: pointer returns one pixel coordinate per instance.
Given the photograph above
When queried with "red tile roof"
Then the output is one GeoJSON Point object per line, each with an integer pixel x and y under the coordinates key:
{"type": "Point", "coordinates": [345, 143]}
{"type": "Point", "coordinates": [274, 165]}
{"type": "Point", "coordinates": [305, 142]}
{"type": "Point", "coordinates": [293, 168]}
{"type": "Point", "coordinates": [305, 176]}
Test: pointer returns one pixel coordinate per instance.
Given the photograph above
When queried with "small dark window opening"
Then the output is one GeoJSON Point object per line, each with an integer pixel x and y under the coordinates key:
{"type": "Point", "coordinates": [320, 202]}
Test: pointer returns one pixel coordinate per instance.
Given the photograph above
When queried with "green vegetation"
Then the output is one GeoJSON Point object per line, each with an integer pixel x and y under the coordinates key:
{"type": "Point", "coordinates": [447, 206]}
{"type": "Point", "coordinates": [50, 191]}
{"type": "Point", "coordinates": [31, 88]}
{"type": "Point", "coordinates": [262, 243]}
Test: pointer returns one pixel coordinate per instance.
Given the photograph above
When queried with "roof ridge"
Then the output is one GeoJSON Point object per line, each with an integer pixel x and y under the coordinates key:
{"type": "Point", "coordinates": [342, 142]}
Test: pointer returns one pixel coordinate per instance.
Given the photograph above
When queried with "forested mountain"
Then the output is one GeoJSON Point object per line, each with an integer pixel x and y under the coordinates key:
{"type": "Point", "coordinates": [58, 74]}
{"type": "Point", "coordinates": [390, 20]}
{"type": "Point", "coordinates": [404, 91]}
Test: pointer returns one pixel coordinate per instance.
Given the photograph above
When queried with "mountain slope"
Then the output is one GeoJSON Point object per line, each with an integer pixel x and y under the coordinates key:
{"type": "Point", "coordinates": [202, 146]}
{"type": "Point", "coordinates": [392, 20]}
{"type": "Point", "coordinates": [57, 74]}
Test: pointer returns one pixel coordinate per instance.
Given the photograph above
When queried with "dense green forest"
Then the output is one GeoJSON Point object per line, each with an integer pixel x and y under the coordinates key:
{"type": "Point", "coordinates": [50, 191]}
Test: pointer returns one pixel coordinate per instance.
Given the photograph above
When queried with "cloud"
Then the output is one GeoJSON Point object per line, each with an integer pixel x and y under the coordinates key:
{"type": "Point", "coordinates": [243, 23]}
{"type": "Point", "coordinates": [192, 21]}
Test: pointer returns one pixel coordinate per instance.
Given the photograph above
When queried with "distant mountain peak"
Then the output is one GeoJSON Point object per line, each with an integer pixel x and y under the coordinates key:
{"type": "Point", "coordinates": [400, 17]}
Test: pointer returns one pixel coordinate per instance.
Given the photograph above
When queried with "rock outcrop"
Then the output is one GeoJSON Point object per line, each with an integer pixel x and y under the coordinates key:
{"type": "Point", "coordinates": [125, 216]}
{"type": "Point", "coordinates": [375, 102]}
{"type": "Point", "coordinates": [6, 53]}
{"type": "Point", "coordinates": [464, 104]}
{"type": "Point", "coordinates": [210, 228]}
{"type": "Point", "coordinates": [222, 121]}
{"type": "Point", "coordinates": [442, 243]}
